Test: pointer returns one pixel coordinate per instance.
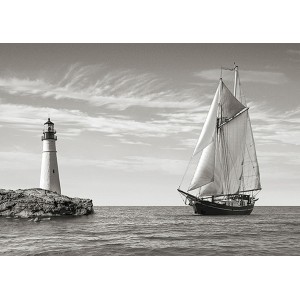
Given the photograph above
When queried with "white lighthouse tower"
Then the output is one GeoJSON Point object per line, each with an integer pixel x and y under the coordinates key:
{"type": "Point", "coordinates": [49, 170]}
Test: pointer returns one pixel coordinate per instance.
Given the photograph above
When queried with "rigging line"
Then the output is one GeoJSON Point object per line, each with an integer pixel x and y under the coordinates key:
{"type": "Point", "coordinates": [228, 156]}
{"type": "Point", "coordinates": [186, 171]}
{"type": "Point", "coordinates": [243, 98]}
{"type": "Point", "coordinates": [221, 155]}
{"type": "Point", "coordinates": [243, 160]}
{"type": "Point", "coordinates": [183, 199]}
{"type": "Point", "coordinates": [220, 86]}
{"type": "Point", "coordinates": [235, 116]}
{"type": "Point", "coordinates": [215, 140]}
{"type": "Point", "coordinates": [227, 160]}
{"type": "Point", "coordinates": [251, 161]}
{"type": "Point", "coordinates": [253, 164]}
{"type": "Point", "coordinates": [257, 167]}
{"type": "Point", "coordinates": [222, 150]}
{"type": "Point", "coordinates": [228, 69]}
{"type": "Point", "coordinates": [234, 168]}
{"type": "Point", "coordinates": [224, 161]}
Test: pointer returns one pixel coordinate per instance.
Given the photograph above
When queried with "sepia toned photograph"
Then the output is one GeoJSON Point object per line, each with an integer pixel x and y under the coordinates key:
{"type": "Point", "coordinates": [149, 149]}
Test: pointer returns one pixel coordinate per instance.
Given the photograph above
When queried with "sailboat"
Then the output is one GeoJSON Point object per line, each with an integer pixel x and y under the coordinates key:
{"type": "Point", "coordinates": [226, 180]}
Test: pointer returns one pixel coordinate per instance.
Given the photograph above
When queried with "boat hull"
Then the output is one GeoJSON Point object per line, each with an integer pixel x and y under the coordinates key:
{"type": "Point", "coordinates": [209, 208]}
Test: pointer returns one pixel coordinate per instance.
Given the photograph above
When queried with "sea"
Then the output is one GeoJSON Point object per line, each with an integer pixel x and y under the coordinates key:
{"type": "Point", "coordinates": [155, 231]}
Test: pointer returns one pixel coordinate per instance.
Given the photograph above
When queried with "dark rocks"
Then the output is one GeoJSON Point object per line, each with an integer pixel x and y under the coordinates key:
{"type": "Point", "coordinates": [38, 203]}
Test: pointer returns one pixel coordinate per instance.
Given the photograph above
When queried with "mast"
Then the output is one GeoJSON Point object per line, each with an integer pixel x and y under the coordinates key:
{"type": "Point", "coordinates": [235, 80]}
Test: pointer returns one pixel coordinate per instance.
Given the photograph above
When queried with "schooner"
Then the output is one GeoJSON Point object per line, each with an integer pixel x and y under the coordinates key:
{"type": "Point", "coordinates": [226, 180]}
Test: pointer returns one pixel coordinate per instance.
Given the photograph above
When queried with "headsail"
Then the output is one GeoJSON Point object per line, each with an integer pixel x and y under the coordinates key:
{"type": "Point", "coordinates": [209, 127]}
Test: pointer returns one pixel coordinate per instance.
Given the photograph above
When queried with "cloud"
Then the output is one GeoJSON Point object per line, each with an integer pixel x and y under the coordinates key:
{"type": "Point", "coordinates": [96, 85]}
{"type": "Point", "coordinates": [73, 122]}
{"type": "Point", "coordinates": [131, 164]}
{"type": "Point", "coordinates": [19, 160]}
{"type": "Point", "coordinates": [269, 124]}
{"type": "Point", "coordinates": [185, 114]}
{"type": "Point", "coordinates": [112, 91]}
{"type": "Point", "coordinates": [273, 126]}
{"type": "Point", "coordinates": [287, 157]}
{"type": "Point", "coordinates": [293, 51]}
{"type": "Point", "coordinates": [22, 160]}
{"type": "Point", "coordinates": [246, 76]}
{"type": "Point", "coordinates": [126, 141]}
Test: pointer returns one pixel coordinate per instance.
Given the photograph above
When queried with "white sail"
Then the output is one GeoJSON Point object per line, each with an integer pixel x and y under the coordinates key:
{"type": "Point", "coordinates": [251, 177]}
{"type": "Point", "coordinates": [209, 127]}
{"type": "Point", "coordinates": [229, 155]}
{"type": "Point", "coordinates": [216, 186]}
{"type": "Point", "coordinates": [205, 169]}
{"type": "Point", "coordinates": [232, 149]}
{"type": "Point", "coordinates": [228, 162]}
{"type": "Point", "coordinates": [230, 106]}
{"type": "Point", "coordinates": [220, 166]}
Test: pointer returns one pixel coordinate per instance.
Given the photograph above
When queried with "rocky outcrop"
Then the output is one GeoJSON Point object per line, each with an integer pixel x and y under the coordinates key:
{"type": "Point", "coordinates": [38, 203]}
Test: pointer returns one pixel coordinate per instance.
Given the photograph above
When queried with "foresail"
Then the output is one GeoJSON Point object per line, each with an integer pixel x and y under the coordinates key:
{"type": "Point", "coordinates": [216, 186]}
{"type": "Point", "coordinates": [209, 127]}
{"type": "Point", "coordinates": [205, 169]}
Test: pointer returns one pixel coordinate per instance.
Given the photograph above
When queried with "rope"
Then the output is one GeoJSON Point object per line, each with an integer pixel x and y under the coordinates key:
{"type": "Point", "coordinates": [186, 171]}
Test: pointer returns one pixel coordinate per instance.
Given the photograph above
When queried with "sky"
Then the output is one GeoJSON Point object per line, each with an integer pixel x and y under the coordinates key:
{"type": "Point", "coordinates": [128, 116]}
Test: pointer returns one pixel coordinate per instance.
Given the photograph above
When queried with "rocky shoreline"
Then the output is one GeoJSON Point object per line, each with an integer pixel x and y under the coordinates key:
{"type": "Point", "coordinates": [38, 203]}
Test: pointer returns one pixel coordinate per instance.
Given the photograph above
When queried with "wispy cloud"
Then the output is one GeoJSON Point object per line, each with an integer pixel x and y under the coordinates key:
{"type": "Point", "coordinates": [74, 122]}
{"type": "Point", "coordinates": [118, 90]}
{"type": "Point", "coordinates": [22, 160]}
{"type": "Point", "coordinates": [246, 76]}
{"type": "Point", "coordinates": [135, 142]}
{"type": "Point", "coordinates": [108, 93]}
{"type": "Point", "coordinates": [96, 85]}
{"type": "Point", "coordinates": [271, 125]}
{"type": "Point", "coordinates": [132, 164]}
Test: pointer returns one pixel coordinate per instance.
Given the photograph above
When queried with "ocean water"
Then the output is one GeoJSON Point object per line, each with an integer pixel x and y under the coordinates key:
{"type": "Point", "coordinates": [156, 231]}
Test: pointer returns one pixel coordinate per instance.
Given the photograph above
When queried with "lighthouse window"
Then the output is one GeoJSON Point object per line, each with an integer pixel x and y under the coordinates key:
{"type": "Point", "coordinates": [53, 171]}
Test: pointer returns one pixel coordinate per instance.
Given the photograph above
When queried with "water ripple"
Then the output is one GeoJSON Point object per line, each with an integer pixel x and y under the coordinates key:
{"type": "Point", "coordinates": [156, 231]}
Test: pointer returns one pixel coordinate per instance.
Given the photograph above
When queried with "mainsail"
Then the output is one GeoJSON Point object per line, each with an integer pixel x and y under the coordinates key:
{"type": "Point", "coordinates": [228, 162]}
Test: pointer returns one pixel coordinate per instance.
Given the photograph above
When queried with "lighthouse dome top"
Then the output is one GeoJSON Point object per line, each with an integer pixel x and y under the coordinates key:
{"type": "Point", "coordinates": [49, 131]}
{"type": "Point", "coordinates": [49, 122]}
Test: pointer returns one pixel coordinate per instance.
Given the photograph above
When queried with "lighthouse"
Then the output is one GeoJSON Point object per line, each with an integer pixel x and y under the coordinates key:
{"type": "Point", "coordinates": [49, 170]}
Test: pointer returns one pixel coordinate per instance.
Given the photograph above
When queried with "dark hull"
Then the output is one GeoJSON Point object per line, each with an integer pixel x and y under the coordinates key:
{"type": "Point", "coordinates": [209, 208]}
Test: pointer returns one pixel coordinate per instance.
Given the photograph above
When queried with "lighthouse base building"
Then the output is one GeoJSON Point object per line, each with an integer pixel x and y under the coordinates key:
{"type": "Point", "coordinates": [49, 170]}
